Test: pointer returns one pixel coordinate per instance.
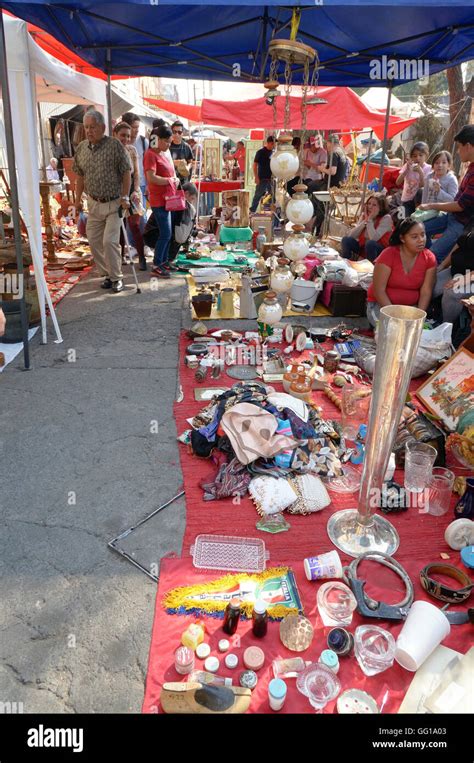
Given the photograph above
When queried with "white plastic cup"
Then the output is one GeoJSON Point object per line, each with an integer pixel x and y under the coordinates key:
{"type": "Point", "coordinates": [425, 628]}
{"type": "Point", "coordinates": [323, 566]}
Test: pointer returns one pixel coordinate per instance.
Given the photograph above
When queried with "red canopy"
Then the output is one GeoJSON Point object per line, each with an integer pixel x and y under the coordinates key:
{"type": "Point", "coordinates": [344, 110]}
{"type": "Point", "coordinates": [181, 109]}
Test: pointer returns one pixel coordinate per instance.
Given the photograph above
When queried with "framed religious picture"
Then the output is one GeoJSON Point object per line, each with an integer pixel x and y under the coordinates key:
{"type": "Point", "coordinates": [449, 392]}
{"type": "Point", "coordinates": [212, 164]}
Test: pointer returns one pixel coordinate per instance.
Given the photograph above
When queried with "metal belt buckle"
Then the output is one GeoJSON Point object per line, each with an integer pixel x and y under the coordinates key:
{"type": "Point", "coordinates": [378, 609]}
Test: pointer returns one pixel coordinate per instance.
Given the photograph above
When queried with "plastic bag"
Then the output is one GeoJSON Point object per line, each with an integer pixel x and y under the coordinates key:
{"type": "Point", "coordinates": [435, 345]}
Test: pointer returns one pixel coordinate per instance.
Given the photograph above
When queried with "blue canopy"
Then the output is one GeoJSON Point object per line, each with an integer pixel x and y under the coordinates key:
{"type": "Point", "coordinates": [219, 40]}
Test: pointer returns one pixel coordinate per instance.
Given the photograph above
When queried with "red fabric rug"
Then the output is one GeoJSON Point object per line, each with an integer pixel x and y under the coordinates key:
{"type": "Point", "coordinates": [421, 542]}
{"type": "Point", "coordinates": [387, 688]}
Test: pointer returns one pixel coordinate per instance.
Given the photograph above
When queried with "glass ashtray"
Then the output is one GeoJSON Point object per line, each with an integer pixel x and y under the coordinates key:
{"type": "Point", "coordinates": [348, 482]}
{"type": "Point", "coordinates": [374, 649]}
{"type": "Point", "coordinates": [336, 603]}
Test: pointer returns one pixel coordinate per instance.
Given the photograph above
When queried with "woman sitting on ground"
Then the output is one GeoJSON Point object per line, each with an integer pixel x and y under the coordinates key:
{"type": "Point", "coordinates": [123, 133]}
{"type": "Point", "coordinates": [404, 273]}
{"type": "Point", "coordinates": [372, 233]}
{"type": "Point", "coordinates": [162, 181]}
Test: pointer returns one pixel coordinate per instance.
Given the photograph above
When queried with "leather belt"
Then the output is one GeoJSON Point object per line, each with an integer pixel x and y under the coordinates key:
{"type": "Point", "coordinates": [104, 201]}
{"type": "Point", "coordinates": [440, 591]}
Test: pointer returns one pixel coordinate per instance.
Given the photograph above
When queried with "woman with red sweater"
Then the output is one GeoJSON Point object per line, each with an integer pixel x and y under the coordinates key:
{"type": "Point", "coordinates": [404, 273]}
{"type": "Point", "coordinates": [372, 233]}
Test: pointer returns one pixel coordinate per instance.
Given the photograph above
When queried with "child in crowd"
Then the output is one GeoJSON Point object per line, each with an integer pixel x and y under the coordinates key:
{"type": "Point", "coordinates": [412, 176]}
{"type": "Point", "coordinates": [441, 184]}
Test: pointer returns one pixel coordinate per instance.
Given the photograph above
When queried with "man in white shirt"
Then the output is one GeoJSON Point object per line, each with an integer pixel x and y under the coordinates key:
{"type": "Point", "coordinates": [313, 157]}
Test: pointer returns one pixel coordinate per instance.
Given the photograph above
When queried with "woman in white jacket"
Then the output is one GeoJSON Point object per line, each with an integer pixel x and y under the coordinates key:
{"type": "Point", "coordinates": [441, 184]}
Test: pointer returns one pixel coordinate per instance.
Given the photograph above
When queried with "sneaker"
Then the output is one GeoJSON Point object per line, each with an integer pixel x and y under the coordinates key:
{"type": "Point", "coordinates": [106, 284]}
{"type": "Point", "coordinates": [159, 272]}
{"type": "Point", "coordinates": [117, 286]}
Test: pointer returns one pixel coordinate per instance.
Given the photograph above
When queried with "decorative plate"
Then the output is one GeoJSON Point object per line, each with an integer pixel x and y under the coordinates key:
{"type": "Point", "coordinates": [301, 342]}
{"type": "Point", "coordinates": [289, 333]}
{"type": "Point", "coordinates": [242, 373]}
{"type": "Point", "coordinates": [355, 701]}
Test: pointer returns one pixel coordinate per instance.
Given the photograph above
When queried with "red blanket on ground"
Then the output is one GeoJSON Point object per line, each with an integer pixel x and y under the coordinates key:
{"type": "Point", "coordinates": [421, 542]}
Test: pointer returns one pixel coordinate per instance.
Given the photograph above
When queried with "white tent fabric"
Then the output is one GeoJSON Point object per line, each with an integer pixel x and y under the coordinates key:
{"type": "Point", "coordinates": [35, 75]}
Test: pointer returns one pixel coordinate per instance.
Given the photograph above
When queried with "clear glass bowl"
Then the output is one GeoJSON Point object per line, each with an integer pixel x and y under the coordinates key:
{"type": "Point", "coordinates": [374, 648]}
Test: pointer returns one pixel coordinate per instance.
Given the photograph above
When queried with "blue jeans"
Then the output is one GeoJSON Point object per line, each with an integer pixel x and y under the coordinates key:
{"type": "Point", "coordinates": [350, 247]}
{"type": "Point", "coordinates": [265, 186]}
{"type": "Point", "coordinates": [451, 229]}
{"type": "Point", "coordinates": [163, 222]}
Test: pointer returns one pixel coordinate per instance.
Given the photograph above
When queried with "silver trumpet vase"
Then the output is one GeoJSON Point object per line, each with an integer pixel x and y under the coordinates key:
{"type": "Point", "coordinates": [355, 531]}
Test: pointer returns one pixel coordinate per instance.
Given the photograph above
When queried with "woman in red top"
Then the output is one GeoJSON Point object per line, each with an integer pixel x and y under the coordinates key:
{"type": "Point", "coordinates": [372, 233]}
{"type": "Point", "coordinates": [161, 180]}
{"type": "Point", "coordinates": [405, 272]}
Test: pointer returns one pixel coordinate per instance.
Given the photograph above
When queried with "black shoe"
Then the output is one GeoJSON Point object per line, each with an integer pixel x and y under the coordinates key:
{"type": "Point", "coordinates": [107, 284]}
{"type": "Point", "coordinates": [142, 264]}
{"type": "Point", "coordinates": [117, 286]}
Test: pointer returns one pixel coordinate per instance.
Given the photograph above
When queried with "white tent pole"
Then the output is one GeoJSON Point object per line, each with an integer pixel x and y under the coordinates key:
{"type": "Point", "coordinates": [385, 131]}
{"type": "Point", "coordinates": [109, 92]}
{"type": "Point", "coordinates": [366, 173]}
{"type": "Point", "coordinates": [7, 115]}
{"type": "Point", "coordinates": [43, 152]}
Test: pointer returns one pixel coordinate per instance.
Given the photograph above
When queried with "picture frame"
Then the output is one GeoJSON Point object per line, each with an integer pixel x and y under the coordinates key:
{"type": "Point", "coordinates": [449, 392]}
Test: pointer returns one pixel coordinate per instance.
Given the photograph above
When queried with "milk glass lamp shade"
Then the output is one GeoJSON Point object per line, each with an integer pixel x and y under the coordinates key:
{"type": "Point", "coordinates": [284, 163]}
{"type": "Point", "coordinates": [296, 247]}
{"type": "Point", "coordinates": [282, 278]}
{"type": "Point", "coordinates": [300, 208]}
{"type": "Point", "coordinates": [270, 311]}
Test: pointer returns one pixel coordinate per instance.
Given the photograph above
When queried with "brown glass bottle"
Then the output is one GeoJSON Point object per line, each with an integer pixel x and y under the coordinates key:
{"type": "Point", "coordinates": [231, 617]}
{"type": "Point", "coordinates": [259, 619]}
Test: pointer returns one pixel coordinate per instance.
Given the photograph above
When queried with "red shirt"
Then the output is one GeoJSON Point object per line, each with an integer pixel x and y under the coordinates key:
{"type": "Point", "coordinates": [160, 165]}
{"type": "Point", "coordinates": [403, 288]}
{"type": "Point", "coordinates": [239, 154]}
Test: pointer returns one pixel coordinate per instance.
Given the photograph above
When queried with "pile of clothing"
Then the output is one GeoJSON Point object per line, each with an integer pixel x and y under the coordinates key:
{"type": "Point", "coordinates": [269, 444]}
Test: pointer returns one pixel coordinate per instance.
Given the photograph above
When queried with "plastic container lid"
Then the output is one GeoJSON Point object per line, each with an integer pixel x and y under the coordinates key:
{"type": "Point", "coordinates": [277, 688]}
{"type": "Point", "coordinates": [329, 658]}
{"type": "Point", "coordinates": [467, 556]}
{"type": "Point", "coordinates": [223, 645]}
{"type": "Point", "coordinates": [260, 607]}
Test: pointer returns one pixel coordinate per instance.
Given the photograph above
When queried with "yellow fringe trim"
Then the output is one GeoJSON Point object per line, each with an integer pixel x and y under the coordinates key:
{"type": "Point", "coordinates": [177, 597]}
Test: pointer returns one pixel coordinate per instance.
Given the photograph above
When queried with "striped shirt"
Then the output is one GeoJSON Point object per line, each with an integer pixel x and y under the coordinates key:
{"type": "Point", "coordinates": [465, 197]}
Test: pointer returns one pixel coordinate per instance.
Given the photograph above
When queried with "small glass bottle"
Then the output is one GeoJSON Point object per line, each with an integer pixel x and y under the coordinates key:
{"type": "Point", "coordinates": [259, 619]}
{"type": "Point", "coordinates": [276, 693]}
{"type": "Point", "coordinates": [331, 361]}
{"type": "Point", "coordinates": [231, 617]}
{"type": "Point", "coordinates": [184, 660]}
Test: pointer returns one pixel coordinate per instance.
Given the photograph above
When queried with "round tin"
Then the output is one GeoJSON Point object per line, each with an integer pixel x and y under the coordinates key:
{"type": "Point", "coordinates": [248, 679]}
{"type": "Point", "coordinates": [203, 650]}
{"type": "Point", "coordinates": [231, 661]}
{"type": "Point", "coordinates": [223, 645]}
{"type": "Point", "coordinates": [212, 664]}
{"type": "Point", "coordinates": [254, 658]}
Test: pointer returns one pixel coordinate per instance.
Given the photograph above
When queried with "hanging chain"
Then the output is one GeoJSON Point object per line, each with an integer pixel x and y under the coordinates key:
{"type": "Point", "coordinates": [288, 79]}
{"type": "Point", "coordinates": [274, 78]}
